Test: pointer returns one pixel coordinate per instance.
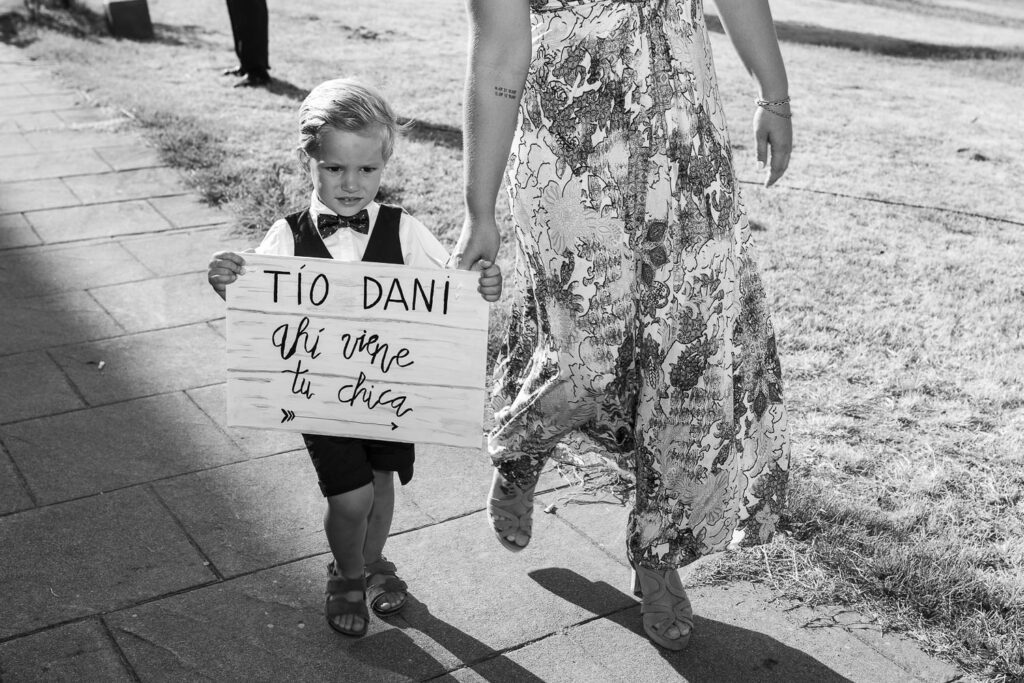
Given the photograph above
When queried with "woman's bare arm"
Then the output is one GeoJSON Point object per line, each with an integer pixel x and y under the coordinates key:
{"type": "Point", "coordinates": [749, 26]}
{"type": "Point", "coordinates": [499, 56]}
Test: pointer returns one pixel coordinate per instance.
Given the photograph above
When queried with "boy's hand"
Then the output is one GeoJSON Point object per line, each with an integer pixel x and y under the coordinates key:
{"type": "Point", "coordinates": [225, 267]}
{"type": "Point", "coordinates": [490, 280]}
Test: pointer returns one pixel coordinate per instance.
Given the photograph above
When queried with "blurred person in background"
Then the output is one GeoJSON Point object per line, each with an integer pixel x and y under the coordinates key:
{"type": "Point", "coordinates": [249, 26]}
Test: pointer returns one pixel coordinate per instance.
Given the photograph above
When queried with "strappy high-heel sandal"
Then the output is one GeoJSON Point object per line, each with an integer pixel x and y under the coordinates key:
{"type": "Point", "coordinates": [338, 605]}
{"type": "Point", "coordinates": [663, 605]}
{"type": "Point", "coordinates": [511, 511]}
{"type": "Point", "coordinates": [376, 588]}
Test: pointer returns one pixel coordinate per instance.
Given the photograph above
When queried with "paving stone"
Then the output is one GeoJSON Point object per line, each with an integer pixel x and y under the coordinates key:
{"type": "Point", "coordinates": [254, 515]}
{"type": "Point", "coordinates": [169, 301]}
{"type": "Point", "coordinates": [255, 442]}
{"type": "Point", "coordinates": [97, 220]}
{"type": "Point", "coordinates": [31, 272]}
{"type": "Point", "coordinates": [124, 185]}
{"type": "Point", "coordinates": [13, 90]}
{"type": "Point", "coordinates": [446, 618]}
{"type": "Point", "coordinates": [746, 640]}
{"type": "Point", "coordinates": [16, 232]}
{"type": "Point", "coordinates": [115, 446]}
{"type": "Point", "coordinates": [906, 660]}
{"type": "Point", "coordinates": [558, 657]}
{"type": "Point", "coordinates": [220, 327]}
{"type": "Point", "coordinates": [75, 652]}
{"type": "Point", "coordinates": [183, 251]}
{"type": "Point", "coordinates": [464, 474]}
{"type": "Point", "coordinates": [13, 496]}
{"type": "Point", "coordinates": [31, 385]}
{"type": "Point", "coordinates": [36, 166]}
{"type": "Point", "coordinates": [602, 520]}
{"type": "Point", "coordinates": [267, 626]}
{"type": "Point", "coordinates": [45, 321]}
{"type": "Point", "coordinates": [63, 140]}
{"type": "Point", "coordinates": [33, 195]}
{"type": "Point", "coordinates": [22, 71]}
{"type": "Point", "coordinates": [144, 364]}
{"type": "Point", "coordinates": [9, 54]}
{"type": "Point", "coordinates": [24, 123]}
{"type": "Point", "coordinates": [12, 144]}
{"type": "Point", "coordinates": [40, 103]}
{"type": "Point", "coordinates": [48, 86]}
{"type": "Point", "coordinates": [187, 211]}
{"type": "Point", "coordinates": [88, 556]}
{"type": "Point", "coordinates": [90, 115]}
{"type": "Point", "coordinates": [130, 156]}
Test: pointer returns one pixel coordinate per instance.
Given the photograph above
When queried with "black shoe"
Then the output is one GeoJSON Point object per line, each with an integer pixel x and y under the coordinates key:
{"type": "Point", "coordinates": [238, 71]}
{"type": "Point", "coordinates": [254, 80]}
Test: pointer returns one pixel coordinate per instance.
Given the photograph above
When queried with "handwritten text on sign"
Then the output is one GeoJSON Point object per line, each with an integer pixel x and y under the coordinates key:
{"type": "Point", "coordinates": [357, 349]}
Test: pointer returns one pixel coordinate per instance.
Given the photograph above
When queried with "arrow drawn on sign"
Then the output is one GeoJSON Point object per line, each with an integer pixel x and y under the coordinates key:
{"type": "Point", "coordinates": [393, 426]}
{"type": "Point", "coordinates": [288, 415]}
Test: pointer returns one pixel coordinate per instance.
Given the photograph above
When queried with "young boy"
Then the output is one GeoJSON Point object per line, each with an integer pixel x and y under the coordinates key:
{"type": "Point", "coordinates": [347, 133]}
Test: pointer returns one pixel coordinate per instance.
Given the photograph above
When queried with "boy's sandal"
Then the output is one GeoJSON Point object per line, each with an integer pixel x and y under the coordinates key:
{"type": "Point", "coordinates": [511, 513]}
{"type": "Point", "coordinates": [376, 588]}
{"type": "Point", "coordinates": [338, 605]}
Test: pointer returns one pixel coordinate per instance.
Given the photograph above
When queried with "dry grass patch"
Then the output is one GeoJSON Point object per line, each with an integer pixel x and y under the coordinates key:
{"type": "Point", "coordinates": [903, 355]}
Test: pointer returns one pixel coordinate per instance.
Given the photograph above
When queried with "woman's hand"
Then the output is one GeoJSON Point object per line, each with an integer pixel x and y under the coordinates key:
{"type": "Point", "coordinates": [480, 240]}
{"type": "Point", "coordinates": [773, 132]}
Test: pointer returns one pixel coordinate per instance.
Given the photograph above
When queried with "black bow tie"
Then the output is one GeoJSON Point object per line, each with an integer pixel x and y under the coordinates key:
{"type": "Point", "coordinates": [328, 224]}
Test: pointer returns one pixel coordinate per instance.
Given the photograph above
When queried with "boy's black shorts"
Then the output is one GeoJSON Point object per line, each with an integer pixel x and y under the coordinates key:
{"type": "Point", "coordinates": [344, 464]}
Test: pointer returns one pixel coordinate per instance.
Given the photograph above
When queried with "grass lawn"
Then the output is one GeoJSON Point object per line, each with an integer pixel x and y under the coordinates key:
{"type": "Point", "coordinates": [892, 253]}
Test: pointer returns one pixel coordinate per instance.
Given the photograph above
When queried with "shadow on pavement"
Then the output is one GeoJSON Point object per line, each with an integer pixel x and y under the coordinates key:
{"type": "Point", "coordinates": [717, 651]}
{"type": "Point", "coordinates": [408, 659]}
{"type": "Point", "coordinates": [809, 34]}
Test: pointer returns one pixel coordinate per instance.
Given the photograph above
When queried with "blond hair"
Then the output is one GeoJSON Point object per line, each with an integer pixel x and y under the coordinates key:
{"type": "Point", "coordinates": [348, 105]}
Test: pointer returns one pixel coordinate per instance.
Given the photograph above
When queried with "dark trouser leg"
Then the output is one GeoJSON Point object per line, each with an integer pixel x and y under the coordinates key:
{"type": "Point", "coordinates": [235, 12]}
{"type": "Point", "coordinates": [250, 26]}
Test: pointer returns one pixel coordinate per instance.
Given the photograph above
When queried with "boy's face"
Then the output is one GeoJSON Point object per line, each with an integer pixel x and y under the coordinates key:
{"type": "Point", "coordinates": [346, 171]}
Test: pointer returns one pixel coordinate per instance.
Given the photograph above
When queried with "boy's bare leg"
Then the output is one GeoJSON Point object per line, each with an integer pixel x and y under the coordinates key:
{"type": "Point", "coordinates": [345, 523]}
{"type": "Point", "coordinates": [379, 526]}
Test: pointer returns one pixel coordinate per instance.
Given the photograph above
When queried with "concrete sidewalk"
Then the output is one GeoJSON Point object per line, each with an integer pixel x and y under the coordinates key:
{"type": "Point", "coordinates": [144, 540]}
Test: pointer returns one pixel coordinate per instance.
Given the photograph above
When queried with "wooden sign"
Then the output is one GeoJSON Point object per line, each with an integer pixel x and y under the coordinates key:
{"type": "Point", "coordinates": [357, 349]}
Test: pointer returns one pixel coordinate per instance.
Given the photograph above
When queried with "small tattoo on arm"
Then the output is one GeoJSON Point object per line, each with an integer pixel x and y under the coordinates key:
{"type": "Point", "coordinates": [508, 93]}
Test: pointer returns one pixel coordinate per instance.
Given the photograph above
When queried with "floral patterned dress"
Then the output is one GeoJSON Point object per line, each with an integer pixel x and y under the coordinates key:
{"type": "Point", "coordinates": [639, 335]}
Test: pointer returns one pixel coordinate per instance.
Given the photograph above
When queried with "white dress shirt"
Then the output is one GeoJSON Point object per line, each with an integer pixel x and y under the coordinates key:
{"type": "Point", "coordinates": [419, 246]}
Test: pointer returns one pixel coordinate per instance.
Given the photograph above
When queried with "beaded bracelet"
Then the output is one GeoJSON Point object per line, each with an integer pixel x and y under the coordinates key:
{"type": "Point", "coordinates": [767, 106]}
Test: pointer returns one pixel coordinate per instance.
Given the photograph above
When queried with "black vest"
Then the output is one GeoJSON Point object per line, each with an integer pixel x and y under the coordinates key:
{"type": "Point", "coordinates": [383, 247]}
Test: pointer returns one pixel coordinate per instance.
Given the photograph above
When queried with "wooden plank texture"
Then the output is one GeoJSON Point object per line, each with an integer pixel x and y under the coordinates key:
{"type": "Point", "coordinates": [357, 349]}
